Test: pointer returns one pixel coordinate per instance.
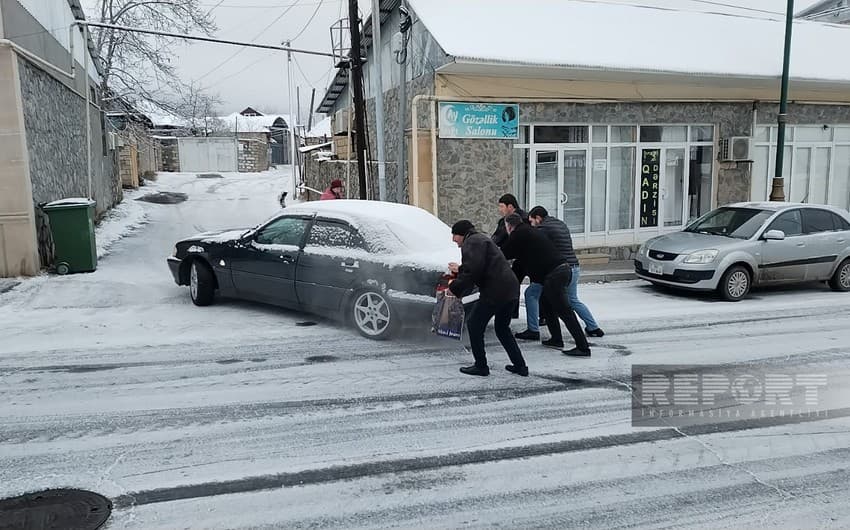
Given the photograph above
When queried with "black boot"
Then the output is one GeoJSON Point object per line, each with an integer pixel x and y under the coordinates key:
{"type": "Point", "coordinates": [519, 370]}
{"type": "Point", "coordinates": [594, 332]}
{"type": "Point", "coordinates": [557, 344]}
{"type": "Point", "coordinates": [575, 352]}
{"type": "Point", "coordinates": [475, 370]}
{"type": "Point", "coordinates": [528, 335]}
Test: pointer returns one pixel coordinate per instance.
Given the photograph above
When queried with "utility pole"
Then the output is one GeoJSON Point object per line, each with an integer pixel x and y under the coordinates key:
{"type": "Point", "coordinates": [298, 105]}
{"type": "Point", "coordinates": [401, 58]}
{"type": "Point", "coordinates": [378, 84]}
{"type": "Point", "coordinates": [359, 104]}
{"type": "Point", "coordinates": [310, 114]}
{"type": "Point", "coordinates": [294, 179]}
{"type": "Point", "coordinates": [778, 191]}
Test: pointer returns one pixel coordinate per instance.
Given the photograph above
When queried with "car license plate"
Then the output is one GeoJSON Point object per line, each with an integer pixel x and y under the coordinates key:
{"type": "Point", "coordinates": [656, 268]}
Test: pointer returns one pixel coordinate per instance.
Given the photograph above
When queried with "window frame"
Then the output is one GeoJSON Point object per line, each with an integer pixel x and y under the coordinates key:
{"type": "Point", "coordinates": [300, 244]}
{"type": "Point", "coordinates": [798, 211]}
{"type": "Point", "coordinates": [809, 211]}
{"type": "Point", "coordinates": [362, 244]}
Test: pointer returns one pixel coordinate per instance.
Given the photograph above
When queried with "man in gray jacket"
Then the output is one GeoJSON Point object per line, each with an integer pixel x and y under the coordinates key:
{"type": "Point", "coordinates": [559, 233]}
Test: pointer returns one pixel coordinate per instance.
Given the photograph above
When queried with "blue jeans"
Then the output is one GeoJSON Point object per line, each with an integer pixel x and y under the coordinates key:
{"type": "Point", "coordinates": [532, 303]}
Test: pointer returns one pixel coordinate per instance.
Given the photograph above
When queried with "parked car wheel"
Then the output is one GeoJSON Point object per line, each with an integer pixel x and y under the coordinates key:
{"type": "Point", "coordinates": [735, 283]}
{"type": "Point", "coordinates": [201, 283]}
{"type": "Point", "coordinates": [840, 281]}
{"type": "Point", "coordinates": [372, 315]}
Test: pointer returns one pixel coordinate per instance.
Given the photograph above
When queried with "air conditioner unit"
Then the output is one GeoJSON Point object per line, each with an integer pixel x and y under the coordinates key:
{"type": "Point", "coordinates": [736, 149]}
{"type": "Point", "coordinates": [340, 122]}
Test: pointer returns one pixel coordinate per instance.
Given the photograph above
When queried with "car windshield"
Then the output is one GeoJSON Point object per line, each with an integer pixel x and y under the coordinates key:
{"type": "Point", "coordinates": [739, 223]}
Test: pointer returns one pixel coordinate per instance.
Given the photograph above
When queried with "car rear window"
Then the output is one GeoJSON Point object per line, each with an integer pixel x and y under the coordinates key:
{"type": "Point", "coordinates": [816, 220]}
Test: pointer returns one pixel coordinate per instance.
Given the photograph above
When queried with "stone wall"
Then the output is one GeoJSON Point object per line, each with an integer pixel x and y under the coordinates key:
{"type": "Point", "coordinates": [54, 123]}
{"type": "Point", "coordinates": [170, 154]}
{"type": "Point", "coordinates": [54, 120]}
{"type": "Point", "coordinates": [253, 152]}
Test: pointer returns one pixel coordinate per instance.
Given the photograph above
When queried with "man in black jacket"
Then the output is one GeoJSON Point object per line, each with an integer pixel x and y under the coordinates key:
{"type": "Point", "coordinates": [544, 265]}
{"type": "Point", "coordinates": [508, 205]}
{"type": "Point", "coordinates": [559, 233]}
{"type": "Point", "coordinates": [484, 265]}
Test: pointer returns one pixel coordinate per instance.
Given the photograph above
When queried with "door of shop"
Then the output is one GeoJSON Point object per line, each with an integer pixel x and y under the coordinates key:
{"type": "Point", "coordinates": [662, 187]}
{"type": "Point", "coordinates": [559, 182]}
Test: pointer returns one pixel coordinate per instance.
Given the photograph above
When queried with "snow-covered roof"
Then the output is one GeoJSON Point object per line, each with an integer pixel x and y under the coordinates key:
{"type": "Point", "coordinates": [321, 129]}
{"type": "Point", "coordinates": [405, 235]}
{"type": "Point", "coordinates": [237, 122]}
{"type": "Point", "coordinates": [657, 36]}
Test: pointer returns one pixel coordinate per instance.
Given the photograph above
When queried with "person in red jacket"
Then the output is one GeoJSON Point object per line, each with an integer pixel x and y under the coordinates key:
{"type": "Point", "coordinates": [334, 191]}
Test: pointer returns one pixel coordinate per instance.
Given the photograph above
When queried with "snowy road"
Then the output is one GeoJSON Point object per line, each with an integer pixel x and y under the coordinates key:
{"type": "Point", "coordinates": [234, 416]}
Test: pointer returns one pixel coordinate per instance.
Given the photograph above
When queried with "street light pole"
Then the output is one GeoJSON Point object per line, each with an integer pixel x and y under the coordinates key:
{"type": "Point", "coordinates": [778, 191]}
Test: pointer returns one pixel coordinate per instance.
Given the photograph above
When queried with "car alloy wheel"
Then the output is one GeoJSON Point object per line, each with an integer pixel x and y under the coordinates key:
{"type": "Point", "coordinates": [193, 281]}
{"type": "Point", "coordinates": [372, 314]}
{"type": "Point", "coordinates": [844, 277]}
{"type": "Point", "coordinates": [738, 284]}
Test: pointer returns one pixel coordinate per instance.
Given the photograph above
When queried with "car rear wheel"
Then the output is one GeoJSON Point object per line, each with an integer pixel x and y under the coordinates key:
{"type": "Point", "coordinates": [373, 316]}
{"type": "Point", "coordinates": [735, 284]}
{"type": "Point", "coordinates": [201, 283]}
{"type": "Point", "coordinates": [840, 281]}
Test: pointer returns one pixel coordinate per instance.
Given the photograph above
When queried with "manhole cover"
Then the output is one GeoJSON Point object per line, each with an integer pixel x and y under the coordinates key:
{"type": "Point", "coordinates": [164, 197]}
{"type": "Point", "coordinates": [210, 176]}
{"type": "Point", "coordinates": [54, 510]}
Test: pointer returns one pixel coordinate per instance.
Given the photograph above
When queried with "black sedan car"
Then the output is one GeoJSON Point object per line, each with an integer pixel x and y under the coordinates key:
{"type": "Point", "coordinates": [373, 264]}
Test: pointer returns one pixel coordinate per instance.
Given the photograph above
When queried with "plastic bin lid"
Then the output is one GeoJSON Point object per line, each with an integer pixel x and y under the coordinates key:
{"type": "Point", "coordinates": [73, 202]}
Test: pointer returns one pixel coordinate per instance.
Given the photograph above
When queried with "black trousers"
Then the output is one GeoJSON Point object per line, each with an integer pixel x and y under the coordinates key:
{"type": "Point", "coordinates": [555, 304]}
{"type": "Point", "coordinates": [479, 317]}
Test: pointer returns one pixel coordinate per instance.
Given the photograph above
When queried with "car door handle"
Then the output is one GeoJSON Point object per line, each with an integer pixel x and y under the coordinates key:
{"type": "Point", "coordinates": [801, 245]}
{"type": "Point", "coordinates": [354, 265]}
{"type": "Point", "coordinates": [287, 259]}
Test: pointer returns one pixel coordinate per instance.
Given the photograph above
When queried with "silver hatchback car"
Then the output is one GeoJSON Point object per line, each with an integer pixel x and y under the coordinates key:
{"type": "Point", "coordinates": [735, 247]}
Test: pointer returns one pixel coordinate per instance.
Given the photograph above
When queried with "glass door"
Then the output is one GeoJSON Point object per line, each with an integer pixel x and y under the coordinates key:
{"type": "Point", "coordinates": [545, 180]}
{"type": "Point", "coordinates": [673, 193]}
{"type": "Point", "coordinates": [573, 190]}
{"type": "Point", "coordinates": [662, 188]}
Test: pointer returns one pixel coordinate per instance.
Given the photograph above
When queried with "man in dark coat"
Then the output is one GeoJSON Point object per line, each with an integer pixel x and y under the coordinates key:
{"type": "Point", "coordinates": [546, 266]}
{"type": "Point", "coordinates": [483, 265]}
{"type": "Point", "coordinates": [508, 205]}
{"type": "Point", "coordinates": [559, 233]}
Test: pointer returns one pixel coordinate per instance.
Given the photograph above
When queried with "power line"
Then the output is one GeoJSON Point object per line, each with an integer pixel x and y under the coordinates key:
{"type": "Point", "coordinates": [307, 25]}
{"type": "Point", "coordinates": [257, 36]}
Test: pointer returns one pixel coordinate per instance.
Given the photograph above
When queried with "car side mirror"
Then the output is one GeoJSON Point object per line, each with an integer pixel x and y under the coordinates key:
{"type": "Point", "coordinates": [774, 235]}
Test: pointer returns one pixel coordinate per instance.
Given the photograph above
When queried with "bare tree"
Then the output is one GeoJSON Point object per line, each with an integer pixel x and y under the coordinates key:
{"type": "Point", "coordinates": [199, 108]}
{"type": "Point", "coordinates": [141, 66]}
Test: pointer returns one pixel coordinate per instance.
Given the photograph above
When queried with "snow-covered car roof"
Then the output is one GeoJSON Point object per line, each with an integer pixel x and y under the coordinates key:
{"type": "Point", "coordinates": [403, 234]}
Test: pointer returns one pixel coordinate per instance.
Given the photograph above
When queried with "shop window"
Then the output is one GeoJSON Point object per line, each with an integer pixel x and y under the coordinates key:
{"type": "Point", "coordinates": [810, 133]}
{"type": "Point", "coordinates": [521, 180]}
{"type": "Point", "coordinates": [621, 201]}
{"type": "Point", "coordinates": [600, 134]}
{"type": "Point", "coordinates": [623, 134]}
{"type": "Point", "coordinates": [666, 133]}
{"type": "Point", "coordinates": [700, 181]}
{"type": "Point", "coordinates": [842, 133]}
{"type": "Point", "coordinates": [561, 134]}
{"type": "Point", "coordinates": [702, 133]}
{"type": "Point", "coordinates": [839, 189]}
{"type": "Point", "coordinates": [598, 187]}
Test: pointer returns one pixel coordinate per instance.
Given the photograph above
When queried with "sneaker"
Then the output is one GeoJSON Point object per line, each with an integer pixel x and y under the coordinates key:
{"type": "Point", "coordinates": [518, 370]}
{"type": "Point", "coordinates": [575, 352]}
{"type": "Point", "coordinates": [475, 370]}
{"type": "Point", "coordinates": [594, 332]}
{"type": "Point", "coordinates": [558, 345]}
{"type": "Point", "coordinates": [528, 335]}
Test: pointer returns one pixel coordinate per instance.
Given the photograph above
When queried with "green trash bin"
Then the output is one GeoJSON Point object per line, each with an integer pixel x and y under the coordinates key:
{"type": "Point", "coordinates": [72, 226]}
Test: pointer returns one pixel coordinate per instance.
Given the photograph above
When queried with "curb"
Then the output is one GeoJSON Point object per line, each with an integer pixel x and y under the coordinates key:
{"type": "Point", "coordinates": [606, 277]}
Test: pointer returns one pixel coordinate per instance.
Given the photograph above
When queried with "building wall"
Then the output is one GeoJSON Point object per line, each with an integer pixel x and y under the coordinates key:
{"type": "Point", "coordinates": [253, 152]}
{"type": "Point", "coordinates": [55, 119]}
{"type": "Point", "coordinates": [18, 249]}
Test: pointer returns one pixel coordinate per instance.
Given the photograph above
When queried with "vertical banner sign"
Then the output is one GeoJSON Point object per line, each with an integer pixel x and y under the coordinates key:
{"type": "Point", "coordinates": [650, 180]}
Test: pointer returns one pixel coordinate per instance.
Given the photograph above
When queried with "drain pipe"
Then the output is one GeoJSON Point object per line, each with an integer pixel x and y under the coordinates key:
{"type": "Point", "coordinates": [88, 108]}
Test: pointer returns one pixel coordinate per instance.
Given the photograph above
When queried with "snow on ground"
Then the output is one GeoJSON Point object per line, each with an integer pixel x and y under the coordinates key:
{"type": "Point", "coordinates": [122, 220]}
{"type": "Point", "coordinates": [236, 416]}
